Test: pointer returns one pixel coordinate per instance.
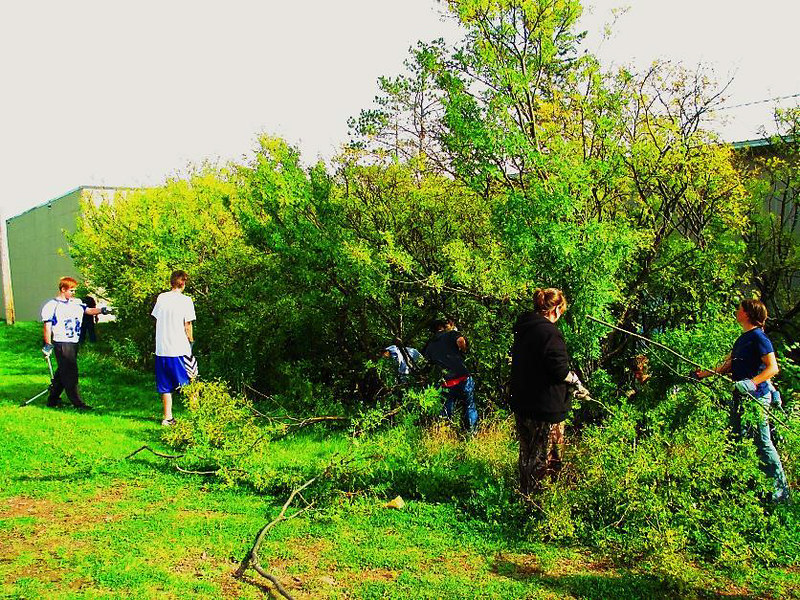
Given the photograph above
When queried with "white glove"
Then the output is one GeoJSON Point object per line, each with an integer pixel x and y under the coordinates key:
{"type": "Point", "coordinates": [576, 387]}
{"type": "Point", "coordinates": [745, 386]}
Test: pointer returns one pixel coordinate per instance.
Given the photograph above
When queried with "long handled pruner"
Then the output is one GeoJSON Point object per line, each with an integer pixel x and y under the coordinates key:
{"type": "Point", "coordinates": [47, 389]}
{"type": "Point", "coordinates": [719, 376]}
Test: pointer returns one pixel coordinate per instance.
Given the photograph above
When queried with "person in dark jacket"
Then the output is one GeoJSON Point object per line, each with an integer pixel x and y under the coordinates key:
{"type": "Point", "coordinates": [446, 349]}
{"type": "Point", "coordinates": [88, 323]}
{"type": "Point", "coordinates": [542, 386]}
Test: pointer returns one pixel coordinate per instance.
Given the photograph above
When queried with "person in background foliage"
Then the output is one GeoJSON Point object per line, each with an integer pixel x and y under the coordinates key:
{"type": "Point", "coordinates": [446, 348]}
{"type": "Point", "coordinates": [751, 364]}
{"type": "Point", "coordinates": [405, 359]}
{"type": "Point", "coordinates": [87, 326]}
{"type": "Point", "coordinates": [62, 317]}
{"type": "Point", "coordinates": [541, 388]}
{"type": "Point", "coordinates": [175, 364]}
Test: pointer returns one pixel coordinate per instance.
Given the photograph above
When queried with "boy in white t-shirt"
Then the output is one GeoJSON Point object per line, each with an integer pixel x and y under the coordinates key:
{"type": "Point", "coordinates": [175, 365]}
{"type": "Point", "coordinates": [62, 317]}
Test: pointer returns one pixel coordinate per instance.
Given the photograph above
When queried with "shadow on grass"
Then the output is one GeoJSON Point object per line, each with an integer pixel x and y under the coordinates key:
{"type": "Point", "coordinates": [608, 583]}
{"type": "Point", "coordinates": [73, 476]}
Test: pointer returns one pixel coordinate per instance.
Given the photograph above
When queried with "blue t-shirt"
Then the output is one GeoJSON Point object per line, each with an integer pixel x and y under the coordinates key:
{"type": "Point", "coordinates": [746, 356]}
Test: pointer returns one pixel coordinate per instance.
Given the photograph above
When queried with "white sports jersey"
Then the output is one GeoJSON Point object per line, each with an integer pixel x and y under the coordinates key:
{"type": "Point", "coordinates": [171, 311]}
{"type": "Point", "coordinates": [65, 317]}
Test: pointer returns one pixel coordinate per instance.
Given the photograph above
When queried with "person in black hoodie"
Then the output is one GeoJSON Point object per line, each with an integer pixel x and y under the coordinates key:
{"type": "Point", "coordinates": [542, 387]}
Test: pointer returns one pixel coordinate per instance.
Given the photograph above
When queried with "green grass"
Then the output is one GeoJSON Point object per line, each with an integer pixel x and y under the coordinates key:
{"type": "Point", "coordinates": [77, 520]}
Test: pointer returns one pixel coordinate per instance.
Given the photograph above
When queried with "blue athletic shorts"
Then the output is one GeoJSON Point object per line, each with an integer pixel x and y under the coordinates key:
{"type": "Point", "coordinates": [173, 372]}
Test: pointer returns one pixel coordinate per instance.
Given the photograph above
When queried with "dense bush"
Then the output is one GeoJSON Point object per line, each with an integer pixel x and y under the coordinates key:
{"type": "Point", "coordinates": [485, 171]}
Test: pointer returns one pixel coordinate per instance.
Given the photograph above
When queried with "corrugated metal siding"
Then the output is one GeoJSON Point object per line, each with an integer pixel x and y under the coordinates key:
{"type": "Point", "coordinates": [38, 249]}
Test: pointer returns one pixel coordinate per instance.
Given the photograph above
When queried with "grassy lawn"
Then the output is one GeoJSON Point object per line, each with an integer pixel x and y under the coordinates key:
{"type": "Point", "coordinates": [78, 520]}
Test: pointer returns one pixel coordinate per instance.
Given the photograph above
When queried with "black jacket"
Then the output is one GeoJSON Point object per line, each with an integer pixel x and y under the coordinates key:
{"type": "Point", "coordinates": [443, 350]}
{"type": "Point", "coordinates": [539, 364]}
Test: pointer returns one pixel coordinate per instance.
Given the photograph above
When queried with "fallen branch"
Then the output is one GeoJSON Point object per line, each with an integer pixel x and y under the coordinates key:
{"type": "Point", "coordinates": [190, 472]}
{"type": "Point", "coordinates": [252, 558]}
{"type": "Point", "coordinates": [171, 457]}
{"type": "Point", "coordinates": [384, 416]}
{"type": "Point", "coordinates": [149, 449]}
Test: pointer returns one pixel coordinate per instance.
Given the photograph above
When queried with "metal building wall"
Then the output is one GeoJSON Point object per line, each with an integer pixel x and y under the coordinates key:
{"type": "Point", "coordinates": [38, 249]}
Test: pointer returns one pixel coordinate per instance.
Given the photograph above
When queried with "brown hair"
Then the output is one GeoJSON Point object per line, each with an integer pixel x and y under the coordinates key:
{"type": "Point", "coordinates": [178, 278]}
{"type": "Point", "coordinates": [755, 310]}
{"type": "Point", "coordinates": [549, 299]}
{"type": "Point", "coordinates": [65, 283]}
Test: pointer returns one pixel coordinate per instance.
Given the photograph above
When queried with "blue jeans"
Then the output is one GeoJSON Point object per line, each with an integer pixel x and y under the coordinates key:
{"type": "Point", "coordinates": [464, 392]}
{"type": "Point", "coordinates": [770, 461]}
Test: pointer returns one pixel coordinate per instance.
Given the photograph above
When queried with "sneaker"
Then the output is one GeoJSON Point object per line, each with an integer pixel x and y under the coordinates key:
{"type": "Point", "coordinates": [56, 404]}
{"type": "Point", "coordinates": [168, 422]}
{"type": "Point", "coordinates": [82, 407]}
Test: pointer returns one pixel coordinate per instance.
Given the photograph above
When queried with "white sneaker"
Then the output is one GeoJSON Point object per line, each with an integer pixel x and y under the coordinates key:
{"type": "Point", "coordinates": [168, 422]}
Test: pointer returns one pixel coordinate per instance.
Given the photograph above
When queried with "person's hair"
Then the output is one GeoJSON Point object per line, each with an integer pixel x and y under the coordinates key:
{"type": "Point", "coordinates": [755, 310]}
{"type": "Point", "coordinates": [178, 278]}
{"type": "Point", "coordinates": [66, 282]}
{"type": "Point", "coordinates": [545, 300]}
{"type": "Point", "coordinates": [437, 325]}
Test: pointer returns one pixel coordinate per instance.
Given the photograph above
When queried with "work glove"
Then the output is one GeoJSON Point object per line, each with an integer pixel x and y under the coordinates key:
{"type": "Point", "coordinates": [745, 386]}
{"type": "Point", "coordinates": [47, 350]}
{"type": "Point", "coordinates": [576, 387]}
{"type": "Point", "coordinates": [694, 375]}
{"type": "Point", "coordinates": [106, 311]}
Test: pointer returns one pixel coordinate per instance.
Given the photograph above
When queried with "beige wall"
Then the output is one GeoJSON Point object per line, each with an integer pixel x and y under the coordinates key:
{"type": "Point", "coordinates": [37, 249]}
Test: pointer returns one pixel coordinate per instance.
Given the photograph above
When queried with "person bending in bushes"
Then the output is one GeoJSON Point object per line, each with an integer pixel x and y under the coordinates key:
{"type": "Point", "coordinates": [405, 359]}
{"type": "Point", "coordinates": [446, 348]}
{"type": "Point", "coordinates": [751, 364]}
{"type": "Point", "coordinates": [542, 386]}
{"type": "Point", "coordinates": [62, 317]}
{"type": "Point", "coordinates": [175, 364]}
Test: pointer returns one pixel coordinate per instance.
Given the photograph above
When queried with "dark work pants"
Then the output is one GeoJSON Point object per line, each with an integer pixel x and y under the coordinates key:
{"type": "Point", "coordinates": [540, 445]}
{"type": "Point", "coordinates": [66, 375]}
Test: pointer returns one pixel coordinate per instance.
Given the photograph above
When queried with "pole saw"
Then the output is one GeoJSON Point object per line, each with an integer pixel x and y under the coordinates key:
{"type": "Point", "coordinates": [47, 389]}
{"type": "Point", "coordinates": [723, 377]}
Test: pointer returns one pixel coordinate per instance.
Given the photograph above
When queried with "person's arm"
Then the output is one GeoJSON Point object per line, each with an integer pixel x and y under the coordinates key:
{"type": "Point", "coordinates": [555, 358]}
{"type": "Point", "coordinates": [47, 333]}
{"type": "Point", "coordinates": [187, 326]}
{"type": "Point", "coordinates": [770, 369]}
{"type": "Point", "coordinates": [723, 369]}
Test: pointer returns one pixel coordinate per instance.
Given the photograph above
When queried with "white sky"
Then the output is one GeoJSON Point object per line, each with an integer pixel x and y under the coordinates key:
{"type": "Point", "coordinates": [99, 92]}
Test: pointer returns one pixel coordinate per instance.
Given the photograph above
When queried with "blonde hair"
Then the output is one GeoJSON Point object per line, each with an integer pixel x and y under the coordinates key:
{"type": "Point", "coordinates": [546, 300]}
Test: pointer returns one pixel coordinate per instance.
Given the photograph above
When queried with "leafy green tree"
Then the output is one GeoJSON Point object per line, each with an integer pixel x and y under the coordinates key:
{"type": "Point", "coordinates": [129, 247]}
{"type": "Point", "coordinates": [773, 237]}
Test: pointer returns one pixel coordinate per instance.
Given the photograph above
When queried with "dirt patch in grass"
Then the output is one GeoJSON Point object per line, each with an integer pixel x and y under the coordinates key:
{"type": "Point", "coordinates": [48, 527]}
{"type": "Point", "coordinates": [43, 569]}
{"type": "Point", "coordinates": [529, 566]}
{"type": "Point", "coordinates": [20, 506]}
{"type": "Point", "coordinates": [202, 565]}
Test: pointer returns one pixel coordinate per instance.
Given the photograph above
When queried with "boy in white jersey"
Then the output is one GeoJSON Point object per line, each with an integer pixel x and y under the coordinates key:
{"type": "Point", "coordinates": [175, 365]}
{"type": "Point", "coordinates": [62, 317]}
